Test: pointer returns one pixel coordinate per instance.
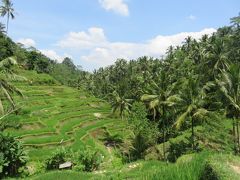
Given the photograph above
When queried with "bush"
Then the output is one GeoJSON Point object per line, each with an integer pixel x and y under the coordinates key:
{"type": "Point", "coordinates": [6, 123]}
{"type": "Point", "coordinates": [57, 158]}
{"type": "Point", "coordinates": [113, 140]}
{"type": "Point", "coordinates": [178, 148]}
{"type": "Point", "coordinates": [13, 158]}
{"type": "Point", "coordinates": [89, 160]}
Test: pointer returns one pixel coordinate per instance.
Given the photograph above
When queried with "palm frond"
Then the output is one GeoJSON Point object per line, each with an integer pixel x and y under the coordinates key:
{"type": "Point", "coordinates": [182, 118]}
{"type": "Point", "coordinates": [1, 108]}
{"type": "Point", "coordinates": [153, 104]}
{"type": "Point", "coordinates": [173, 100]}
{"type": "Point", "coordinates": [147, 97]}
{"type": "Point", "coordinates": [200, 113]}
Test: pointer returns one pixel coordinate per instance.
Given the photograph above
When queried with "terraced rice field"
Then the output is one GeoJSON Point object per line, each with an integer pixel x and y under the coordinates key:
{"type": "Point", "coordinates": [54, 116]}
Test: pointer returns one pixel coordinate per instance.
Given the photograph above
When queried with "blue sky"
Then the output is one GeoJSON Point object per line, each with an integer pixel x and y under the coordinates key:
{"type": "Point", "coordinates": [95, 33]}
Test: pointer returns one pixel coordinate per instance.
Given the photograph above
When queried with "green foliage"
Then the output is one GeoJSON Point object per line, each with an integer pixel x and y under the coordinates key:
{"type": "Point", "coordinates": [6, 47]}
{"type": "Point", "coordinates": [144, 133]}
{"type": "Point", "coordinates": [182, 92]}
{"type": "Point", "coordinates": [57, 158]}
{"type": "Point", "coordinates": [89, 160]}
{"type": "Point", "coordinates": [32, 59]}
{"type": "Point", "coordinates": [68, 74]}
{"type": "Point", "coordinates": [113, 140]}
{"type": "Point", "coordinates": [7, 90]}
{"type": "Point", "coordinates": [120, 104]}
{"type": "Point", "coordinates": [178, 148]}
{"type": "Point", "coordinates": [12, 156]}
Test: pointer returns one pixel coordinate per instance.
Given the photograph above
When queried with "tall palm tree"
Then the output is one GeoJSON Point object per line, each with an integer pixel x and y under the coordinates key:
{"type": "Point", "coordinates": [229, 83]}
{"type": "Point", "coordinates": [6, 89]}
{"type": "Point", "coordinates": [192, 104]}
{"type": "Point", "coordinates": [120, 104]}
{"type": "Point", "coordinates": [160, 100]}
{"type": "Point", "coordinates": [7, 10]}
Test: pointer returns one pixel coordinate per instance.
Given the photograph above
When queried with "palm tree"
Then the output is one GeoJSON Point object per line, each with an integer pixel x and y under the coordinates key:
{"type": "Point", "coordinates": [236, 21]}
{"type": "Point", "coordinates": [6, 89]}
{"type": "Point", "coordinates": [159, 100]}
{"type": "Point", "coordinates": [7, 10]}
{"type": "Point", "coordinates": [120, 104]}
{"type": "Point", "coordinates": [229, 83]}
{"type": "Point", "coordinates": [192, 103]}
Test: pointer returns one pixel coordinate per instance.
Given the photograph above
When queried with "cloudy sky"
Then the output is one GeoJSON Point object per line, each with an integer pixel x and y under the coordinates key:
{"type": "Point", "coordinates": [95, 33]}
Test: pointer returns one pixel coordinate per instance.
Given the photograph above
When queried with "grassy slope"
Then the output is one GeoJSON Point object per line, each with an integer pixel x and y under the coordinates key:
{"type": "Point", "coordinates": [53, 116]}
{"type": "Point", "coordinates": [205, 166]}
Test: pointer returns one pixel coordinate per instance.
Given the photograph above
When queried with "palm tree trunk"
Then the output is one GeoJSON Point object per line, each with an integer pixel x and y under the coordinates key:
{"type": "Point", "coordinates": [193, 146]}
{"type": "Point", "coordinates": [234, 136]}
{"type": "Point", "coordinates": [8, 16]}
{"type": "Point", "coordinates": [163, 116]}
{"type": "Point", "coordinates": [238, 140]}
{"type": "Point", "coordinates": [164, 154]}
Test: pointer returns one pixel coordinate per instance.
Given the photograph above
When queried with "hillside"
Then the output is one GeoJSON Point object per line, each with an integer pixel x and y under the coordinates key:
{"type": "Point", "coordinates": [173, 113]}
{"type": "Point", "coordinates": [53, 116]}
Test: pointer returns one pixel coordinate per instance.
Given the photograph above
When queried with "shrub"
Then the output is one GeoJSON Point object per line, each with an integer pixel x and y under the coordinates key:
{"type": "Point", "coordinates": [178, 148]}
{"type": "Point", "coordinates": [13, 158]}
{"type": "Point", "coordinates": [6, 123]}
{"type": "Point", "coordinates": [57, 158]}
{"type": "Point", "coordinates": [89, 160]}
{"type": "Point", "coordinates": [114, 140]}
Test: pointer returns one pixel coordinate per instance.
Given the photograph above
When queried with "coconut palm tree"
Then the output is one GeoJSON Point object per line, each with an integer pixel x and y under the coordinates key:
{"type": "Point", "coordinates": [192, 104]}
{"type": "Point", "coordinates": [6, 89]}
{"type": "Point", "coordinates": [160, 100]}
{"type": "Point", "coordinates": [120, 104]}
{"type": "Point", "coordinates": [7, 10]}
{"type": "Point", "coordinates": [229, 83]}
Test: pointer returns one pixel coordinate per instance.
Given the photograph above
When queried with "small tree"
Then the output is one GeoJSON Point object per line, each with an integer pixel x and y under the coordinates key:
{"type": "Point", "coordinates": [12, 156]}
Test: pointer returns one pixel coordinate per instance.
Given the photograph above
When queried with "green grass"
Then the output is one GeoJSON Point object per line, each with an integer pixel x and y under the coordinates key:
{"type": "Point", "coordinates": [205, 166]}
{"type": "Point", "coordinates": [63, 175]}
{"type": "Point", "coordinates": [51, 113]}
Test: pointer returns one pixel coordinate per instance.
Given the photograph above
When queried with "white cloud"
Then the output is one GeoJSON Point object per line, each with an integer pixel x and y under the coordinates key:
{"type": "Point", "coordinates": [192, 17]}
{"type": "Point", "coordinates": [118, 6]}
{"type": "Point", "coordinates": [27, 42]}
{"type": "Point", "coordinates": [94, 48]}
{"type": "Point", "coordinates": [83, 40]}
{"type": "Point", "coordinates": [158, 45]}
{"type": "Point", "coordinates": [53, 55]}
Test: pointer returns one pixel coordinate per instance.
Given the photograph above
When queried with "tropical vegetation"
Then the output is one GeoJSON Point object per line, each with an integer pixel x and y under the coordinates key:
{"type": "Point", "coordinates": [167, 118]}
